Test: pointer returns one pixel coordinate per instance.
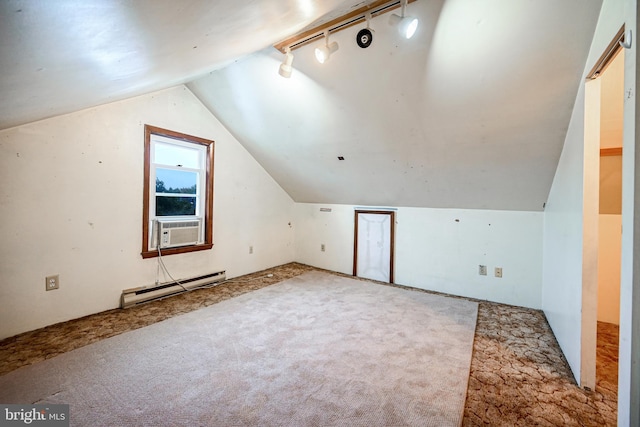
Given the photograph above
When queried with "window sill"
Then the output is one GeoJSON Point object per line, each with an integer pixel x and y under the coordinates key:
{"type": "Point", "coordinates": [180, 250]}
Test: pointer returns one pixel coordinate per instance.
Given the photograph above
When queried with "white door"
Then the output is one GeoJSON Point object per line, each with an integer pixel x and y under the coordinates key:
{"type": "Point", "coordinates": [374, 245]}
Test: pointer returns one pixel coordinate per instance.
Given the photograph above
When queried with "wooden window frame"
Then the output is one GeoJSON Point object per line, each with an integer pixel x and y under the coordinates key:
{"type": "Point", "coordinates": [147, 252]}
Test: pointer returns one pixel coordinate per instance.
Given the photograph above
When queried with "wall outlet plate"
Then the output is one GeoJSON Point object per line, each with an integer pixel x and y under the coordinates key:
{"type": "Point", "coordinates": [322, 247]}
{"type": "Point", "coordinates": [482, 270]}
{"type": "Point", "coordinates": [52, 282]}
{"type": "Point", "coordinates": [498, 271]}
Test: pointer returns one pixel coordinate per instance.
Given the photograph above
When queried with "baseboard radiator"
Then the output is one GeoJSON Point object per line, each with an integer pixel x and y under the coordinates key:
{"type": "Point", "coordinates": [135, 296]}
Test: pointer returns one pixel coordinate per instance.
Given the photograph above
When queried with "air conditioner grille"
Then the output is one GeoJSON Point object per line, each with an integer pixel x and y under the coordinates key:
{"type": "Point", "coordinates": [183, 236]}
{"type": "Point", "coordinates": [181, 224]}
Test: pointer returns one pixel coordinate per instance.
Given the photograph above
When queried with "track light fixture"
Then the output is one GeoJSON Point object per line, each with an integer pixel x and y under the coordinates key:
{"type": "Point", "coordinates": [365, 35]}
{"type": "Point", "coordinates": [323, 53]}
{"type": "Point", "coordinates": [285, 67]}
{"type": "Point", "coordinates": [407, 25]}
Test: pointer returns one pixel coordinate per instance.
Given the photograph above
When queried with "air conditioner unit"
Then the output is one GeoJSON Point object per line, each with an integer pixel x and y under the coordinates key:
{"type": "Point", "coordinates": [174, 233]}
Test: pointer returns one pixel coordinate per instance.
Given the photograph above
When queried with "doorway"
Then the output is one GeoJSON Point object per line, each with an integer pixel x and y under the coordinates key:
{"type": "Point", "coordinates": [373, 252]}
{"type": "Point", "coordinates": [602, 220]}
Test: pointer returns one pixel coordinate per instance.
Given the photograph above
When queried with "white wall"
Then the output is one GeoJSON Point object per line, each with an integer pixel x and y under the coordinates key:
{"type": "Point", "coordinates": [562, 276]}
{"type": "Point", "coordinates": [441, 249]}
{"type": "Point", "coordinates": [562, 265]}
{"type": "Point", "coordinates": [334, 229]}
{"type": "Point", "coordinates": [71, 204]}
{"type": "Point", "coordinates": [438, 249]}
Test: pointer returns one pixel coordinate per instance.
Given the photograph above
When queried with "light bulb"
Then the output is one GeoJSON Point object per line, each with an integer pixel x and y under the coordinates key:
{"type": "Point", "coordinates": [407, 25]}
{"type": "Point", "coordinates": [323, 53]}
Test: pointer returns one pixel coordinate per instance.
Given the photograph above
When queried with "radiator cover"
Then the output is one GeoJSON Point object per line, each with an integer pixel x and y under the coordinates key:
{"type": "Point", "coordinates": [140, 295]}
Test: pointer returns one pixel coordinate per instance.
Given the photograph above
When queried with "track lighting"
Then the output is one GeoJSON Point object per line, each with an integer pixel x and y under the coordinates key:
{"type": "Point", "coordinates": [323, 53]}
{"type": "Point", "coordinates": [407, 25]}
{"type": "Point", "coordinates": [285, 67]}
{"type": "Point", "coordinates": [365, 35]}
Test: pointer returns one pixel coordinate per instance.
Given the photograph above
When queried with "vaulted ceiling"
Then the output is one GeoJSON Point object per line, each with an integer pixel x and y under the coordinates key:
{"type": "Point", "coordinates": [470, 113]}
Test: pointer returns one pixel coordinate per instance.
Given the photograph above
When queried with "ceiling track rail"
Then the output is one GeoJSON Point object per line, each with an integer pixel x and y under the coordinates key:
{"type": "Point", "coordinates": [345, 21]}
{"type": "Point", "coordinates": [608, 55]}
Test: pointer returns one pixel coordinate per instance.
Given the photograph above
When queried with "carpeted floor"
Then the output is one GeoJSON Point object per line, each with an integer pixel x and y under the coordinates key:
{"type": "Point", "coordinates": [518, 376]}
{"type": "Point", "coordinates": [315, 350]}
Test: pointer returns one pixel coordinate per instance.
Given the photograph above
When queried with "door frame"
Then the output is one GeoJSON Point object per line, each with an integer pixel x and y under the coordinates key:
{"type": "Point", "coordinates": [590, 214]}
{"type": "Point", "coordinates": [392, 214]}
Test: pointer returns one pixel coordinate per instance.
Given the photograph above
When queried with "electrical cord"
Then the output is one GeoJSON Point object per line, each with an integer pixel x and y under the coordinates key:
{"type": "Point", "coordinates": [177, 282]}
{"type": "Point", "coordinates": [161, 261]}
{"type": "Point", "coordinates": [164, 267]}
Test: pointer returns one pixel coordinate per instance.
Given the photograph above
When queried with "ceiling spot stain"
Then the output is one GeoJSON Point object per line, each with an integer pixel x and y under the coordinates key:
{"type": "Point", "coordinates": [195, 47]}
{"type": "Point", "coordinates": [457, 220]}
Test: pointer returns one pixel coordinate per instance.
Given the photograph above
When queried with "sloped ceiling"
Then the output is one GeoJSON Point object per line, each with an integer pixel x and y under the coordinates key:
{"type": "Point", "coordinates": [60, 56]}
{"type": "Point", "coordinates": [470, 113]}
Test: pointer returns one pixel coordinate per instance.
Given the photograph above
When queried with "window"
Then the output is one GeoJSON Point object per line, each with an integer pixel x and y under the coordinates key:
{"type": "Point", "coordinates": [178, 189]}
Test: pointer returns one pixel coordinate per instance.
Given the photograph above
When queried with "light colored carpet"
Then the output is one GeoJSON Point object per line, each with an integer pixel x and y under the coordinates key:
{"type": "Point", "coordinates": [315, 350]}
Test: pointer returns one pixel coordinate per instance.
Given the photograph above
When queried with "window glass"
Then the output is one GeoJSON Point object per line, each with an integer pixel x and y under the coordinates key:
{"type": "Point", "coordinates": [176, 155]}
{"type": "Point", "coordinates": [176, 181]}
{"type": "Point", "coordinates": [174, 206]}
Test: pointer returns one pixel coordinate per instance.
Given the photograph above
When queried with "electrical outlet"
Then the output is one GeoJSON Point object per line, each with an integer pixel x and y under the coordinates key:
{"type": "Point", "coordinates": [498, 271]}
{"type": "Point", "coordinates": [250, 249]}
{"type": "Point", "coordinates": [482, 270]}
{"type": "Point", "coordinates": [322, 247]}
{"type": "Point", "coordinates": [52, 282]}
